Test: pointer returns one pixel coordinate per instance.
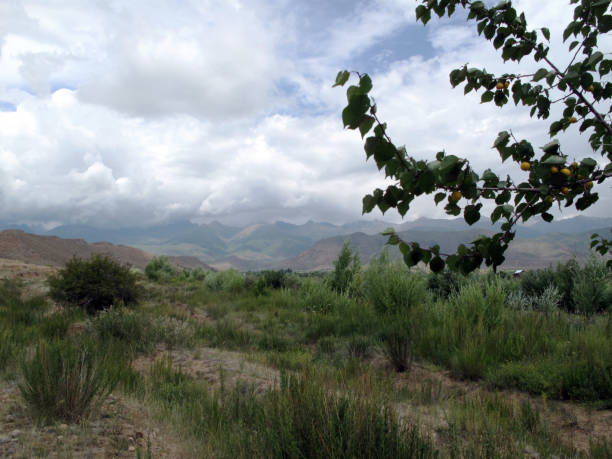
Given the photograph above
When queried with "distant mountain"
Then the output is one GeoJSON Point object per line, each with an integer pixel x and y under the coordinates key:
{"type": "Point", "coordinates": [529, 253]}
{"type": "Point", "coordinates": [267, 245]}
{"type": "Point", "coordinates": [55, 251]}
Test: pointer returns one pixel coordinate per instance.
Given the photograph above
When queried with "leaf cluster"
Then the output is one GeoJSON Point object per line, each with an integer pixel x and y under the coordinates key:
{"type": "Point", "coordinates": [553, 178]}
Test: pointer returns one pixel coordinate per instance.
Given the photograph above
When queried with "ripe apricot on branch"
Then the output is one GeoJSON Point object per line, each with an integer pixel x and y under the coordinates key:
{"type": "Point", "coordinates": [456, 196]}
{"type": "Point", "coordinates": [499, 85]}
{"type": "Point", "coordinates": [525, 165]}
{"type": "Point", "coordinates": [565, 171]}
{"type": "Point", "coordinates": [554, 169]}
{"type": "Point", "coordinates": [591, 88]}
{"type": "Point", "coordinates": [564, 190]}
{"type": "Point", "coordinates": [506, 84]}
{"type": "Point", "coordinates": [588, 185]}
{"type": "Point", "coordinates": [573, 119]}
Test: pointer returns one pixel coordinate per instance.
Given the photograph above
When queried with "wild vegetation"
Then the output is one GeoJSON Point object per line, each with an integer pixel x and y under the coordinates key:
{"type": "Point", "coordinates": [395, 363]}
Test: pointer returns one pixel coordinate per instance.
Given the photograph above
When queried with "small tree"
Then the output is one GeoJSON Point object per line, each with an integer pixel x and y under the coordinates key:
{"type": "Point", "coordinates": [159, 268]}
{"type": "Point", "coordinates": [346, 267]}
{"type": "Point", "coordinates": [552, 179]}
{"type": "Point", "coordinates": [94, 284]}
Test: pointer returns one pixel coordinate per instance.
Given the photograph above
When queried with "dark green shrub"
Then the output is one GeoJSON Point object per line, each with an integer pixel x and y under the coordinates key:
{"type": "Point", "coordinates": [94, 284]}
{"type": "Point", "coordinates": [65, 381]}
{"type": "Point", "coordinates": [445, 283]}
{"type": "Point", "coordinates": [160, 269]}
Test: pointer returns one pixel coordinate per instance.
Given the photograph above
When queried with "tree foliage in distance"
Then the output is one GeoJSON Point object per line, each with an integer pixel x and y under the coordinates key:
{"type": "Point", "coordinates": [346, 267]}
{"type": "Point", "coordinates": [551, 178]}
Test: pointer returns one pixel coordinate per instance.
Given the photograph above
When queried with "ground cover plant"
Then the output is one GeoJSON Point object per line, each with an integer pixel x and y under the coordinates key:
{"type": "Point", "coordinates": [402, 365]}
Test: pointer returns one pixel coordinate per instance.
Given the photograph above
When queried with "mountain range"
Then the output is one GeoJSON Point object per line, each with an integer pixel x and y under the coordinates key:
{"type": "Point", "coordinates": [315, 245]}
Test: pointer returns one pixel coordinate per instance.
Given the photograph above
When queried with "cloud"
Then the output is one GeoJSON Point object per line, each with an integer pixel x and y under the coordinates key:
{"type": "Point", "coordinates": [143, 112]}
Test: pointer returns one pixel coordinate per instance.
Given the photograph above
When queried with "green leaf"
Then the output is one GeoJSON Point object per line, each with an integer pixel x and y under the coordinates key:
{"type": "Point", "coordinates": [554, 160]}
{"type": "Point", "coordinates": [588, 162]}
{"type": "Point", "coordinates": [487, 97]}
{"type": "Point", "coordinates": [502, 139]}
{"type": "Point", "coordinates": [541, 73]}
{"type": "Point", "coordinates": [369, 202]}
{"type": "Point", "coordinates": [342, 78]}
{"type": "Point", "coordinates": [551, 147]}
{"type": "Point", "coordinates": [471, 214]}
{"type": "Point", "coordinates": [439, 197]}
{"type": "Point", "coordinates": [349, 118]}
{"type": "Point", "coordinates": [365, 125]}
{"type": "Point", "coordinates": [546, 33]}
{"type": "Point", "coordinates": [547, 217]}
{"type": "Point", "coordinates": [365, 83]}
{"type": "Point", "coordinates": [436, 264]}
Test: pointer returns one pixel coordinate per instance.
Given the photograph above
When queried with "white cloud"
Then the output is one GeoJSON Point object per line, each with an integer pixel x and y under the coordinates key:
{"type": "Point", "coordinates": [169, 111]}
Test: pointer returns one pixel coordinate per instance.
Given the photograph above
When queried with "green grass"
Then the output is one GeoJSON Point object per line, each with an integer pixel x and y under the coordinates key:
{"type": "Point", "coordinates": [336, 398]}
{"type": "Point", "coordinates": [301, 418]}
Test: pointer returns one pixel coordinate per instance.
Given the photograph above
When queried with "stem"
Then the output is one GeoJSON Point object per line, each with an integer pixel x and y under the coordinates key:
{"type": "Point", "coordinates": [595, 113]}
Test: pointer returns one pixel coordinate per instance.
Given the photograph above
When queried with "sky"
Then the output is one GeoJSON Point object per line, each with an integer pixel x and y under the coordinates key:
{"type": "Point", "coordinates": [140, 112]}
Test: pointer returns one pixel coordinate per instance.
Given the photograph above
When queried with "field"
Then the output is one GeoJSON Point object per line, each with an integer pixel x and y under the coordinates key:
{"type": "Point", "coordinates": [360, 362]}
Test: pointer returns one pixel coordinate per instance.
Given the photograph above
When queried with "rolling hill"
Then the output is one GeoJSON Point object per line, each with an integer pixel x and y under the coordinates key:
{"type": "Point", "coordinates": [314, 245]}
{"type": "Point", "coordinates": [55, 251]}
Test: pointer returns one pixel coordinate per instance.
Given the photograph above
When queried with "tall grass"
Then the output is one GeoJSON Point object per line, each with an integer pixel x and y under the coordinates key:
{"type": "Point", "coordinates": [65, 381]}
{"type": "Point", "coordinates": [301, 418]}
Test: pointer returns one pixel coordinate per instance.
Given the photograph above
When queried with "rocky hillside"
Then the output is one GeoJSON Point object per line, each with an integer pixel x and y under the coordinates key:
{"type": "Point", "coordinates": [55, 251]}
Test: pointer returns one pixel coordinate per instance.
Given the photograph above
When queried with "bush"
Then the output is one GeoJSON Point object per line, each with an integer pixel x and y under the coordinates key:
{"type": "Point", "coordinates": [94, 284]}
{"type": "Point", "coordinates": [160, 269]}
{"type": "Point", "coordinates": [592, 290]}
{"type": "Point", "coordinates": [229, 281]}
{"type": "Point", "coordinates": [316, 296]}
{"type": "Point", "coordinates": [392, 289]}
{"type": "Point", "coordinates": [346, 268]}
{"type": "Point", "coordinates": [65, 381]}
{"type": "Point", "coordinates": [444, 284]}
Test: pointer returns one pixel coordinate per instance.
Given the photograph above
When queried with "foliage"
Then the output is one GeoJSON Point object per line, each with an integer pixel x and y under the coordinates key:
{"type": "Point", "coordinates": [552, 178]}
{"type": "Point", "coordinates": [160, 268]}
{"type": "Point", "coordinates": [581, 289]}
{"type": "Point", "coordinates": [94, 284]}
{"type": "Point", "coordinates": [260, 282]}
{"type": "Point", "coordinates": [445, 283]}
{"type": "Point", "coordinates": [392, 289]}
{"type": "Point", "coordinates": [592, 288]}
{"type": "Point", "coordinates": [65, 381]}
{"type": "Point", "coordinates": [346, 269]}
{"type": "Point", "coordinates": [228, 281]}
